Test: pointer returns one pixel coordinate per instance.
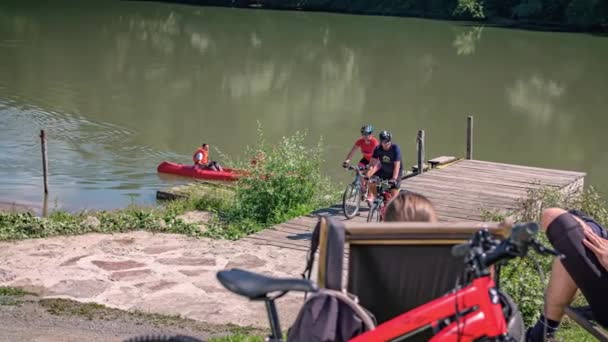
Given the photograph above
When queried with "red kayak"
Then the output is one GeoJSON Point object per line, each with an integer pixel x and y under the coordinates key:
{"type": "Point", "coordinates": [190, 171]}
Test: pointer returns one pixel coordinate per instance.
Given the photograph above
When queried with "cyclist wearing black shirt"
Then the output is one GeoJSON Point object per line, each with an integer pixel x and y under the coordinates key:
{"type": "Point", "coordinates": [386, 164]}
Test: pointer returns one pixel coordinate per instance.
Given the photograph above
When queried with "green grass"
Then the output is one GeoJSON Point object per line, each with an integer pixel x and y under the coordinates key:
{"type": "Point", "coordinates": [94, 311]}
{"type": "Point", "coordinates": [570, 331]}
{"type": "Point", "coordinates": [238, 338]}
{"type": "Point", "coordinates": [14, 292]}
{"type": "Point", "coordinates": [11, 296]}
{"type": "Point", "coordinates": [17, 226]}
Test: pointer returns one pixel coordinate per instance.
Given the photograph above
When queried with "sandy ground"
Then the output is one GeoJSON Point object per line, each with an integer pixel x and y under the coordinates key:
{"type": "Point", "coordinates": [26, 319]}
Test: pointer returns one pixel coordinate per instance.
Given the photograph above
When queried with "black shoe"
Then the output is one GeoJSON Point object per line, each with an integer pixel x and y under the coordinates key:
{"type": "Point", "coordinates": [548, 338]}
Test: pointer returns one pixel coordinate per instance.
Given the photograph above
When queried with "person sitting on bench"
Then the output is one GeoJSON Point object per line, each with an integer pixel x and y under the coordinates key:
{"type": "Point", "coordinates": [584, 243]}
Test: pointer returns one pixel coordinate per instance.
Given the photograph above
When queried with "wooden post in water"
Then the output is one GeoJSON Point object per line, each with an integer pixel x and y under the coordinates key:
{"type": "Point", "coordinates": [470, 137]}
{"type": "Point", "coordinates": [45, 165]}
{"type": "Point", "coordinates": [45, 205]}
{"type": "Point", "coordinates": [420, 147]}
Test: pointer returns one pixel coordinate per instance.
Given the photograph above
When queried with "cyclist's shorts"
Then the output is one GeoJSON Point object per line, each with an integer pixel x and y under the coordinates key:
{"type": "Point", "coordinates": [363, 162]}
{"type": "Point", "coordinates": [388, 176]}
{"type": "Point", "coordinates": [566, 234]}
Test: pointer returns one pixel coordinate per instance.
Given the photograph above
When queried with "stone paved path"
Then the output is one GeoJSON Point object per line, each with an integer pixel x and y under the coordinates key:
{"type": "Point", "coordinates": [160, 273]}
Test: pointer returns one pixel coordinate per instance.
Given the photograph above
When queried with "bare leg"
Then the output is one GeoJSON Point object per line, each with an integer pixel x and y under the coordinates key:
{"type": "Point", "coordinates": [560, 292]}
{"type": "Point", "coordinates": [561, 288]}
{"type": "Point", "coordinates": [373, 192]}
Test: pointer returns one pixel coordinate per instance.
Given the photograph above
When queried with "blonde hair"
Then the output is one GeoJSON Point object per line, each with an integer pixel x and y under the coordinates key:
{"type": "Point", "coordinates": [410, 206]}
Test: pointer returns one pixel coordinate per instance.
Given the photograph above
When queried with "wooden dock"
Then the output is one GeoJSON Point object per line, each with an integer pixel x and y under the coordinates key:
{"type": "Point", "coordinates": [461, 191]}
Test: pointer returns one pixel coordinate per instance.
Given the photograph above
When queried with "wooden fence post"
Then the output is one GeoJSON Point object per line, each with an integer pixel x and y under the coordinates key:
{"type": "Point", "coordinates": [45, 165]}
{"type": "Point", "coordinates": [470, 137]}
{"type": "Point", "coordinates": [420, 147]}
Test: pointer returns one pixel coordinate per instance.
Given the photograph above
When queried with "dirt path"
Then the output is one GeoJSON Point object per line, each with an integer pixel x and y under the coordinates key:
{"type": "Point", "coordinates": [33, 319]}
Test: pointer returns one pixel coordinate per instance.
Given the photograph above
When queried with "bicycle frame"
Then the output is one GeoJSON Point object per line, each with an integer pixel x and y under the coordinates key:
{"type": "Point", "coordinates": [358, 189]}
{"type": "Point", "coordinates": [360, 179]}
{"type": "Point", "coordinates": [383, 195]}
{"type": "Point", "coordinates": [473, 312]}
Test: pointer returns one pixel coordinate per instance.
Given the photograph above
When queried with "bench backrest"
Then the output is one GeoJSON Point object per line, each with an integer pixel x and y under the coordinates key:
{"type": "Point", "coordinates": [397, 266]}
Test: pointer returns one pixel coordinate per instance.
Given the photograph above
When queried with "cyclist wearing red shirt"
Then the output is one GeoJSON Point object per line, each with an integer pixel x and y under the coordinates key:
{"type": "Point", "coordinates": [367, 143]}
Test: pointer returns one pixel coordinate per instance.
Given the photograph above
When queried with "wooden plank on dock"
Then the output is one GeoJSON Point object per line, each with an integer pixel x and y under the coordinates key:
{"type": "Point", "coordinates": [461, 191]}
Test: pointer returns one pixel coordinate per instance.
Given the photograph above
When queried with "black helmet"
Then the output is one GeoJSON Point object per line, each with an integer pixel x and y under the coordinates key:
{"type": "Point", "coordinates": [385, 136]}
{"type": "Point", "coordinates": [367, 129]}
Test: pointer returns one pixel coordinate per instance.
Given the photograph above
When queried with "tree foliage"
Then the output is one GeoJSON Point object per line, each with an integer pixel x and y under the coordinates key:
{"type": "Point", "coordinates": [578, 14]}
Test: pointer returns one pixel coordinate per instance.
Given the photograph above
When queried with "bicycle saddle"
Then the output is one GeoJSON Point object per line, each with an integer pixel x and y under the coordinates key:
{"type": "Point", "coordinates": [257, 286]}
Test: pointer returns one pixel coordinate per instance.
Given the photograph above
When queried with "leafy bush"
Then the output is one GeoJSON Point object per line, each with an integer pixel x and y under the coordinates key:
{"type": "Point", "coordinates": [470, 8]}
{"type": "Point", "coordinates": [284, 182]}
{"type": "Point", "coordinates": [528, 9]}
{"type": "Point", "coordinates": [583, 13]}
{"type": "Point", "coordinates": [15, 226]}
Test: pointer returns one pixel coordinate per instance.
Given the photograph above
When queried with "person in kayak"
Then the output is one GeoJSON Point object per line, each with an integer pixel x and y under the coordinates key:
{"type": "Point", "coordinates": [201, 159]}
{"type": "Point", "coordinates": [366, 143]}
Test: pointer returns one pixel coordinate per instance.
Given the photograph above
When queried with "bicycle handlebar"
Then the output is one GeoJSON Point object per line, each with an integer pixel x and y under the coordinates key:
{"type": "Point", "coordinates": [377, 180]}
{"type": "Point", "coordinates": [483, 250]}
{"type": "Point", "coordinates": [356, 168]}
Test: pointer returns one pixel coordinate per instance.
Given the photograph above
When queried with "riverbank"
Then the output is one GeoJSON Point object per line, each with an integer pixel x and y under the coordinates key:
{"type": "Point", "coordinates": [561, 16]}
{"type": "Point", "coordinates": [12, 207]}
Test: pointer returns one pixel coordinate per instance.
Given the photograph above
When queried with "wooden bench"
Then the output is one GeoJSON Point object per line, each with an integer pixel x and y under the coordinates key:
{"type": "Point", "coordinates": [435, 163]}
{"type": "Point", "coordinates": [382, 254]}
{"type": "Point", "coordinates": [582, 316]}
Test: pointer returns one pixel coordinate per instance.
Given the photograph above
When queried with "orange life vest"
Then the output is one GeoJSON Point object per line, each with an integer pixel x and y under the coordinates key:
{"type": "Point", "coordinates": [205, 158]}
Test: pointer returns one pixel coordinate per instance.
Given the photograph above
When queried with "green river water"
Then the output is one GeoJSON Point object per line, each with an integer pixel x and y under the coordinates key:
{"type": "Point", "coordinates": [120, 86]}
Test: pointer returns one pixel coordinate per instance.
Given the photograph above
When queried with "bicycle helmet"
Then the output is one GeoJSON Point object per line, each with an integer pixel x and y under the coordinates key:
{"type": "Point", "coordinates": [367, 129]}
{"type": "Point", "coordinates": [385, 136]}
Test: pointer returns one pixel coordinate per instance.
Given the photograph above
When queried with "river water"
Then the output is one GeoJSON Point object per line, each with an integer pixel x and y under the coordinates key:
{"type": "Point", "coordinates": [120, 86]}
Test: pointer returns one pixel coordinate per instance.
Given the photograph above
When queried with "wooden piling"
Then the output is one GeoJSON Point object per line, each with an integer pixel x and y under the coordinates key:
{"type": "Point", "coordinates": [45, 165]}
{"type": "Point", "coordinates": [420, 147]}
{"type": "Point", "coordinates": [469, 154]}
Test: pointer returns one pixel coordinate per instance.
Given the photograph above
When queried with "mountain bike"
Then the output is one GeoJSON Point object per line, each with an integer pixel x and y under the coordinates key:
{"type": "Point", "coordinates": [383, 195]}
{"type": "Point", "coordinates": [355, 192]}
{"type": "Point", "coordinates": [477, 311]}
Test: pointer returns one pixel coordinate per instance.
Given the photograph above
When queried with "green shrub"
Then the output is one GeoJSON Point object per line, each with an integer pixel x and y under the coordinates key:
{"type": "Point", "coordinates": [583, 13]}
{"type": "Point", "coordinates": [528, 9]}
{"type": "Point", "coordinates": [284, 182]}
{"type": "Point", "coordinates": [470, 9]}
{"type": "Point", "coordinates": [16, 226]}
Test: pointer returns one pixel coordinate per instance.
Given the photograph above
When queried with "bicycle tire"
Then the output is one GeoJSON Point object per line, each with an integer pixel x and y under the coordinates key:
{"type": "Point", "coordinates": [163, 338]}
{"type": "Point", "coordinates": [352, 193]}
{"type": "Point", "coordinates": [374, 214]}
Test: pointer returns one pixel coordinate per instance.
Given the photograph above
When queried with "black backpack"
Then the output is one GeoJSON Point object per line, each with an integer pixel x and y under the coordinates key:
{"type": "Point", "coordinates": [330, 314]}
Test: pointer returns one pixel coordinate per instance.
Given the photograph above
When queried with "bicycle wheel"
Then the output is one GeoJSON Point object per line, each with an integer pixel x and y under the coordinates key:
{"type": "Point", "coordinates": [374, 214]}
{"type": "Point", "coordinates": [351, 201]}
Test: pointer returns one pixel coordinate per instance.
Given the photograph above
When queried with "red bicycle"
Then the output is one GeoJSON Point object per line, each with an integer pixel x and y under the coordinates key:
{"type": "Point", "coordinates": [383, 196]}
{"type": "Point", "coordinates": [479, 311]}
